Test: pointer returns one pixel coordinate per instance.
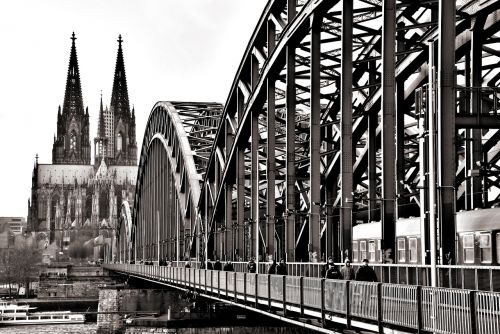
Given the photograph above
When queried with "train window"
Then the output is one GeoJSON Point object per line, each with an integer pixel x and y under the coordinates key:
{"type": "Point", "coordinates": [355, 251]}
{"type": "Point", "coordinates": [468, 246]}
{"type": "Point", "coordinates": [413, 249]}
{"type": "Point", "coordinates": [485, 246]}
{"type": "Point", "coordinates": [371, 250]}
{"type": "Point", "coordinates": [362, 249]}
{"type": "Point", "coordinates": [401, 250]}
{"type": "Point", "coordinates": [498, 248]}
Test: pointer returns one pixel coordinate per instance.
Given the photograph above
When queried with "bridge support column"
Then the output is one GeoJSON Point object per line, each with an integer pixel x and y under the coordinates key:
{"type": "Point", "coordinates": [372, 151]}
{"type": "Point", "coordinates": [346, 171]}
{"type": "Point", "coordinates": [271, 167]}
{"type": "Point", "coordinates": [240, 198]}
{"type": "Point", "coordinates": [388, 122]}
{"type": "Point", "coordinates": [314, 247]}
{"type": "Point", "coordinates": [446, 128]}
{"type": "Point", "coordinates": [255, 238]}
{"type": "Point", "coordinates": [290, 154]}
{"type": "Point", "coordinates": [475, 154]}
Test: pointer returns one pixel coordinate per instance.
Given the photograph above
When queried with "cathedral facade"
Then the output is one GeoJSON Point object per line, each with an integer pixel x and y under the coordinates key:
{"type": "Point", "coordinates": [75, 204]}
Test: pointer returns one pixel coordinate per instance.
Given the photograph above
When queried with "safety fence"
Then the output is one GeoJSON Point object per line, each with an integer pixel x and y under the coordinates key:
{"type": "Point", "coordinates": [406, 307]}
{"type": "Point", "coordinates": [486, 278]}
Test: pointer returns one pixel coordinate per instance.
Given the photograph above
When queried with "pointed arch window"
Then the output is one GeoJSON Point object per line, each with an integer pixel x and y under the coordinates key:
{"type": "Point", "coordinates": [119, 141]}
{"type": "Point", "coordinates": [72, 140]}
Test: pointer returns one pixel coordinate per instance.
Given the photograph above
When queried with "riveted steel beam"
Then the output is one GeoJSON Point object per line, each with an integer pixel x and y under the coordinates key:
{"type": "Point", "coordinates": [346, 131]}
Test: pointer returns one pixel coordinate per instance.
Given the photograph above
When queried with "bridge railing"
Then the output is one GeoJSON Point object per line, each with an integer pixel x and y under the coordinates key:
{"type": "Point", "coordinates": [439, 310]}
{"type": "Point", "coordinates": [485, 278]}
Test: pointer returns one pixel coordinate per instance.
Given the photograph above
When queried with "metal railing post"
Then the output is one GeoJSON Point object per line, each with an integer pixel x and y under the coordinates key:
{"type": "Point", "coordinates": [205, 273]}
{"type": "Point", "coordinates": [227, 290]}
{"type": "Point", "coordinates": [323, 320]}
{"type": "Point", "coordinates": [347, 304]}
{"type": "Point", "coordinates": [245, 287]}
{"type": "Point", "coordinates": [218, 283]}
{"type": "Point", "coordinates": [284, 294]}
{"type": "Point", "coordinates": [379, 309]}
{"type": "Point", "coordinates": [256, 277]}
{"type": "Point", "coordinates": [235, 287]}
{"type": "Point", "coordinates": [301, 285]}
{"type": "Point", "coordinates": [473, 319]}
{"type": "Point", "coordinates": [419, 310]}
{"type": "Point", "coordinates": [269, 291]}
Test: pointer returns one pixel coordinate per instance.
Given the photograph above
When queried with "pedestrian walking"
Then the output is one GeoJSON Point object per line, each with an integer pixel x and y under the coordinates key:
{"type": "Point", "coordinates": [333, 272]}
{"type": "Point", "coordinates": [281, 268]}
{"type": "Point", "coordinates": [228, 266]}
{"type": "Point", "coordinates": [347, 271]}
{"type": "Point", "coordinates": [251, 267]}
{"type": "Point", "coordinates": [272, 268]}
{"type": "Point", "coordinates": [366, 273]}
{"type": "Point", "coordinates": [217, 265]}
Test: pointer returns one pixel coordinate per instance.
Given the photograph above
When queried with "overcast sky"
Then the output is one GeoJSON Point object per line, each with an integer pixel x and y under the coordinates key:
{"type": "Point", "coordinates": [175, 50]}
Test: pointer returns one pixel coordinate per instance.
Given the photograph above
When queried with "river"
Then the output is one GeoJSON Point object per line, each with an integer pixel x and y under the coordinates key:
{"type": "Point", "coordinates": [89, 328]}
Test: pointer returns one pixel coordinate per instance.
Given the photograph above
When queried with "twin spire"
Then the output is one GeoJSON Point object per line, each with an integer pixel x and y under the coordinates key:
{"type": "Point", "coordinates": [73, 101]}
{"type": "Point", "coordinates": [119, 98]}
{"type": "Point", "coordinates": [116, 126]}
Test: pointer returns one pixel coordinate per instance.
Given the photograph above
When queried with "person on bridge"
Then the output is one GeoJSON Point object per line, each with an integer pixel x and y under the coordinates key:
{"type": "Point", "coordinates": [251, 267]}
{"type": "Point", "coordinates": [272, 268]}
{"type": "Point", "coordinates": [228, 266]}
{"type": "Point", "coordinates": [326, 266]}
{"type": "Point", "coordinates": [281, 268]}
{"type": "Point", "coordinates": [366, 273]}
{"type": "Point", "coordinates": [217, 265]}
{"type": "Point", "coordinates": [332, 272]}
{"type": "Point", "coordinates": [347, 271]}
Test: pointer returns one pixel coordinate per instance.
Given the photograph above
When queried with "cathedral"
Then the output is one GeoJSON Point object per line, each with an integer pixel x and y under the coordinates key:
{"type": "Point", "coordinates": [75, 204]}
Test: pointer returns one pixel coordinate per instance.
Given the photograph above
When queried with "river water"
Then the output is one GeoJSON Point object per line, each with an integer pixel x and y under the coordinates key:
{"type": "Point", "coordinates": [89, 328]}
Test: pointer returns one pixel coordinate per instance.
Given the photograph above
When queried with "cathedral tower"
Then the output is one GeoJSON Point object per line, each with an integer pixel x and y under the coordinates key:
{"type": "Point", "coordinates": [122, 145]}
{"type": "Point", "coordinates": [71, 144]}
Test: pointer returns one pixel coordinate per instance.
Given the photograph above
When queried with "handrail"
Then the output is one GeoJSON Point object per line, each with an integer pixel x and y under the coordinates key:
{"type": "Point", "coordinates": [360, 304]}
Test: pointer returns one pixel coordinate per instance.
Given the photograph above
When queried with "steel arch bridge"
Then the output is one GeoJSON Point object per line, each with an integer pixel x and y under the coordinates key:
{"type": "Point", "coordinates": [174, 154]}
{"type": "Point", "coordinates": [326, 126]}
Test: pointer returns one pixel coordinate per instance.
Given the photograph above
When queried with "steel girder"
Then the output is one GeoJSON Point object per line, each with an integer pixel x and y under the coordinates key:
{"type": "Point", "coordinates": [276, 181]}
{"type": "Point", "coordinates": [125, 243]}
{"type": "Point", "coordinates": [174, 154]}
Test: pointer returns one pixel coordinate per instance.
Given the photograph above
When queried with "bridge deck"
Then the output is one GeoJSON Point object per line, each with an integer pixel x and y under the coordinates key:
{"type": "Point", "coordinates": [351, 304]}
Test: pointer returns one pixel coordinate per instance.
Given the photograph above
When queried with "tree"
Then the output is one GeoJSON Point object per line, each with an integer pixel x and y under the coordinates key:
{"type": "Point", "coordinates": [7, 267]}
{"type": "Point", "coordinates": [26, 267]}
{"type": "Point", "coordinates": [19, 265]}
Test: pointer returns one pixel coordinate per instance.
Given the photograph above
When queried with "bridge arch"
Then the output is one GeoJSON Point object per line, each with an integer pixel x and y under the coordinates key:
{"type": "Point", "coordinates": [311, 84]}
{"type": "Point", "coordinates": [174, 152]}
{"type": "Point", "coordinates": [125, 242]}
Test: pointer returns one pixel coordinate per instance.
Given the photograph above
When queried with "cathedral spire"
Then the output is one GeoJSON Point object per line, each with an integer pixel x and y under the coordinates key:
{"type": "Point", "coordinates": [119, 97]}
{"type": "Point", "coordinates": [73, 101]}
{"type": "Point", "coordinates": [101, 126]}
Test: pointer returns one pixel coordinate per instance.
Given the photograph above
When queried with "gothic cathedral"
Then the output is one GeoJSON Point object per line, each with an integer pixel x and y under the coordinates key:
{"type": "Point", "coordinates": [75, 205]}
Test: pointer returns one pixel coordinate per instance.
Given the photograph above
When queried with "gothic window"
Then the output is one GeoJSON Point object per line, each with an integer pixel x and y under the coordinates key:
{"type": "Point", "coordinates": [72, 141]}
{"type": "Point", "coordinates": [119, 141]}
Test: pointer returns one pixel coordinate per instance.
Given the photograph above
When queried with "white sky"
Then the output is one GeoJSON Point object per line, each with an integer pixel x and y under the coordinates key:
{"type": "Point", "coordinates": [179, 50]}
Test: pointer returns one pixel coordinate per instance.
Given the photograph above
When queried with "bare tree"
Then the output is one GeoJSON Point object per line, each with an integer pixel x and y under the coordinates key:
{"type": "Point", "coordinates": [19, 266]}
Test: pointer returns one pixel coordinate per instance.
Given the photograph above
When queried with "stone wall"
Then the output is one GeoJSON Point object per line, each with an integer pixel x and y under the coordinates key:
{"type": "Point", "coordinates": [109, 302]}
{"type": "Point", "coordinates": [79, 282]}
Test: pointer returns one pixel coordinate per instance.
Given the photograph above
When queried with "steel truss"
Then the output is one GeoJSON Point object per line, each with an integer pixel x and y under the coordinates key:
{"type": "Point", "coordinates": [175, 150]}
{"type": "Point", "coordinates": [322, 129]}
{"type": "Point", "coordinates": [311, 85]}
